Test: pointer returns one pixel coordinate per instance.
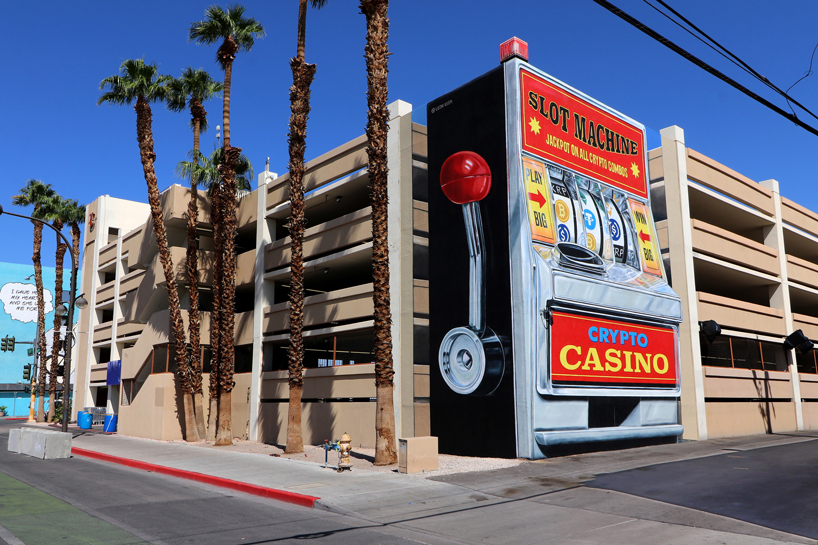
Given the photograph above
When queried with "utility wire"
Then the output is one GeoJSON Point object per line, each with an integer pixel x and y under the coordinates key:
{"type": "Point", "coordinates": [703, 65]}
{"type": "Point", "coordinates": [805, 76]}
{"type": "Point", "coordinates": [746, 66]}
{"type": "Point", "coordinates": [702, 40]}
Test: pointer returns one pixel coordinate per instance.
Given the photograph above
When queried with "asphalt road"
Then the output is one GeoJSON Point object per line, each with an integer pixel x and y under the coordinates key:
{"type": "Point", "coordinates": [776, 487]}
{"type": "Point", "coordinates": [80, 501]}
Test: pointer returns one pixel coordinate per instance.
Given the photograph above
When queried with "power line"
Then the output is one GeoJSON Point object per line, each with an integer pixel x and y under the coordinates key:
{"type": "Point", "coordinates": [746, 67]}
{"type": "Point", "coordinates": [704, 66]}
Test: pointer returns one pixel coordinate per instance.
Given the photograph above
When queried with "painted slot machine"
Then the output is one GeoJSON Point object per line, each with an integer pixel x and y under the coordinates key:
{"type": "Point", "coordinates": [551, 319]}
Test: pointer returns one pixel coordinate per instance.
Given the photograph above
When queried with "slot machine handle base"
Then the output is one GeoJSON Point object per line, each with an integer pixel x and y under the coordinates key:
{"type": "Point", "coordinates": [471, 363]}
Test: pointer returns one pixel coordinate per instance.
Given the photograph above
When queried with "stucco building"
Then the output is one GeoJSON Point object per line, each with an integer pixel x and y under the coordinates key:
{"type": "Point", "coordinates": [128, 319]}
{"type": "Point", "coordinates": [736, 252]}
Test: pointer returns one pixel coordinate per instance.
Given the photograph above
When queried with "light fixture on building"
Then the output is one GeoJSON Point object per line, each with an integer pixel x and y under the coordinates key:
{"type": "Point", "coordinates": [338, 198]}
{"type": "Point", "coordinates": [326, 270]}
{"type": "Point", "coordinates": [80, 303]}
{"type": "Point", "coordinates": [711, 330]}
{"type": "Point", "coordinates": [798, 340]}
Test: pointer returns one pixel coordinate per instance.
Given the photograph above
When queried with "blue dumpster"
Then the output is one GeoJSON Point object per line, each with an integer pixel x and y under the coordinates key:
{"type": "Point", "coordinates": [85, 420]}
{"type": "Point", "coordinates": [110, 423]}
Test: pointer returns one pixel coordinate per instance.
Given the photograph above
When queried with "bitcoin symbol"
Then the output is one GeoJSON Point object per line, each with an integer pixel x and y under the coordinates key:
{"type": "Point", "coordinates": [563, 212]}
{"type": "Point", "coordinates": [591, 242]}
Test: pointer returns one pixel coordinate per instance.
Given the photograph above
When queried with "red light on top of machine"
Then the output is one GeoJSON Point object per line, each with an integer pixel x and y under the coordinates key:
{"type": "Point", "coordinates": [514, 47]}
{"type": "Point", "coordinates": [465, 177]}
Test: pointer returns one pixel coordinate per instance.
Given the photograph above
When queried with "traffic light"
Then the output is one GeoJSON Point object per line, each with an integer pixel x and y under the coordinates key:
{"type": "Point", "coordinates": [61, 370]}
{"type": "Point", "coordinates": [27, 372]}
{"type": "Point", "coordinates": [10, 342]}
{"type": "Point", "coordinates": [4, 344]}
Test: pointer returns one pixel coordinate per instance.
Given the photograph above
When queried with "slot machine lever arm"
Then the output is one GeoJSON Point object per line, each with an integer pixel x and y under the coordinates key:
{"type": "Point", "coordinates": [477, 267]}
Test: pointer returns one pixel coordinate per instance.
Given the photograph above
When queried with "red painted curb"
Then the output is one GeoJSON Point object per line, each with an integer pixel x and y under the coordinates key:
{"type": "Point", "coordinates": [16, 418]}
{"type": "Point", "coordinates": [272, 493]}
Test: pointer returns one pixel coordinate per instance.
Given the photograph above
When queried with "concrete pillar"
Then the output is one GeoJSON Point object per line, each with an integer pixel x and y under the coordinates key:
{"type": "Point", "coordinates": [399, 149]}
{"type": "Point", "coordinates": [680, 244]}
{"type": "Point", "coordinates": [780, 293]}
{"type": "Point", "coordinates": [263, 298]}
{"type": "Point", "coordinates": [112, 405]}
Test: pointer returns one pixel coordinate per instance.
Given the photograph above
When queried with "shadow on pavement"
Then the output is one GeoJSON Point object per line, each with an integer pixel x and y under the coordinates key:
{"type": "Point", "coordinates": [773, 487]}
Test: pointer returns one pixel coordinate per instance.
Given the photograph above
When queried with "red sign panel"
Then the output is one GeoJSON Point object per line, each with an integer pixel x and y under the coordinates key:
{"type": "Point", "coordinates": [563, 128]}
{"type": "Point", "coordinates": [587, 350]}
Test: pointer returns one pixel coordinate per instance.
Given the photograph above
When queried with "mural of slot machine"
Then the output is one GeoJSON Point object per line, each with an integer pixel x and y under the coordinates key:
{"type": "Point", "coordinates": [583, 343]}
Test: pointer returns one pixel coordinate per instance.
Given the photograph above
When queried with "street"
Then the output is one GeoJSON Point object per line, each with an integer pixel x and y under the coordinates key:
{"type": "Point", "coordinates": [79, 501]}
{"type": "Point", "coordinates": [752, 490]}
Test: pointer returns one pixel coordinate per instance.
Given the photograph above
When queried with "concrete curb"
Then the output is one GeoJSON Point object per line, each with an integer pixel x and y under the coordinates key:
{"type": "Point", "coordinates": [272, 493]}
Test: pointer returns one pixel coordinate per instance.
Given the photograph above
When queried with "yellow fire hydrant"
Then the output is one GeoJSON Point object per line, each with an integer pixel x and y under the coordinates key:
{"type": "Point", "coordinates": [344, 451]}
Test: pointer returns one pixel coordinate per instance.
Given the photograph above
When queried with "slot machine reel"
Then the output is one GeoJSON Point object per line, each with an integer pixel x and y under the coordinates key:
{"type": "Point", "coordinates": [471, 358]}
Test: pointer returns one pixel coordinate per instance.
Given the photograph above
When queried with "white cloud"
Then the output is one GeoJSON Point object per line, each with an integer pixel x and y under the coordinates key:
{"type": "Point", "coordinates": [20, 301]}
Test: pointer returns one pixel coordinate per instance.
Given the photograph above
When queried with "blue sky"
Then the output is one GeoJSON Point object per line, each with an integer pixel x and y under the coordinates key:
{"type": "Point", "coordinates": [57, 53]}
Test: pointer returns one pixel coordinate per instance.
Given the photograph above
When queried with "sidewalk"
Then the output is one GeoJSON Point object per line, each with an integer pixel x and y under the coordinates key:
{"type": "Point", "coordinates": [543, 501]}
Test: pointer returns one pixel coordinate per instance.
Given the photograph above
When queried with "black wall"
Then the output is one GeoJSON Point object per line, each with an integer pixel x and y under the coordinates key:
{"type": "Point", "coordinates": [470, 118]}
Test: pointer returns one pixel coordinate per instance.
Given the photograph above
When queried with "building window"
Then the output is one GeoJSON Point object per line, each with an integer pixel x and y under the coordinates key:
{"type": "Point", "coordinates": [806, 363]}
{"type": "Point", "coordinates": [324, 351]}
{"type": "Point", "coordinates": [164, 359]}
{"type": "Point", "coordinates": [743, 353]}
{"type": "Point", "coordinates": [104, 354]}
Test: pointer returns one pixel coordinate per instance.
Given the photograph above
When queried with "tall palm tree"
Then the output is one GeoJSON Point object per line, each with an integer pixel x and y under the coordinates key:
{"type": "Point", "coordinates": [191, 90]}
{"type": "Point", "coordinates": [236, 32]}
{"type": "Point", "coordinates": [55, 209]}
{"type": "Point", "coordinates": [207, 171]}
{"type": "Point", "coordinates": [73, 216]}
{"type": "Point", "coordinates": [303, 75]}
{"type": "Point", "coordinates": [376, 54]}
{"type": "Point", "coordinates": [36, 193]}
{"type": "Point", "coordinates": [141, 82]}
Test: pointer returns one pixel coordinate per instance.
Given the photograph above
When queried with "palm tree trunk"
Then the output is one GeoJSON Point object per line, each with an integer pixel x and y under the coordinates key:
{"type": "Point", "coordinates": [144, 136]}
{"type": "Point", "coordinates": [303, 75]}
{"type": "Point", "coordinates": [216, 315]}
{"type": "Point", "coordinates": [55, 345]}
{"type": "Point", "coordinates": [194, 323]}
{"type": "Point", "coordinates": [224, 432]}
{"type": "Point", "coordinates": [38, 281]}
{"type": "Point", "coordinates": [302, 30]}
{"type": "Point", "coordinates": [226, 54]}
{"type": "Point", "coordinates": [376, 54]}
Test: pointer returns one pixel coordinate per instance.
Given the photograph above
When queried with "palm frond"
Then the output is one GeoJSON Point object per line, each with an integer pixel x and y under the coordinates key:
{"type": "Point", "coordinates": [219, 24]}
{"type": "Point", "coordinates": [135, 79]}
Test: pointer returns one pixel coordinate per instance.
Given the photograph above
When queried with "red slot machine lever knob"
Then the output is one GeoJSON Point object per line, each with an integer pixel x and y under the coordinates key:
{"type": "Point", "coordinates": [465, 177]}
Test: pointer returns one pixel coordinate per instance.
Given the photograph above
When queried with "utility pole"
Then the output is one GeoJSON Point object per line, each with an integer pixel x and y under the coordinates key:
{"type": "Point", "coordinates": [31, 419]}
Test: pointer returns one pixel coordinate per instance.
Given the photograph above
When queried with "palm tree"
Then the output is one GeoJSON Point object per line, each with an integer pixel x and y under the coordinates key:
{"type": "Point", "coordinates": [143, 83]}
{"type": "Point", "coordinates": [376, 54]}
{"type": "Point", "coordinates": [236, 32]}
{"type": "Point", "coordinates": [191, 90]}
{"type": "Point", "coordinates": [303, 75]}
{"type": "Point", "coordinates": [74, 216]}
{"type": "Point", "coordinates": [54, 209]}
{"type": "Point", "coordinates": [36, 193]}
{"type": "Point", "coordinates": [206, 170]}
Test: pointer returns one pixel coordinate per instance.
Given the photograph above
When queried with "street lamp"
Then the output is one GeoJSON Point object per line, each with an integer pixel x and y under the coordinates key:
{"type": "Point", "coordinates": [72, 301]}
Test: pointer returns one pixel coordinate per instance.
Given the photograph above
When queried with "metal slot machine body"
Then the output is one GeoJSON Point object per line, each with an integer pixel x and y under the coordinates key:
{"type": "Point", "coordinates": [551, 320]}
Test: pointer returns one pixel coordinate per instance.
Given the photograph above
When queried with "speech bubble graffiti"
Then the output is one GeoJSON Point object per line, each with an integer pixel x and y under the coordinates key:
{"type": "Point", "coordinates": [20, 301]}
